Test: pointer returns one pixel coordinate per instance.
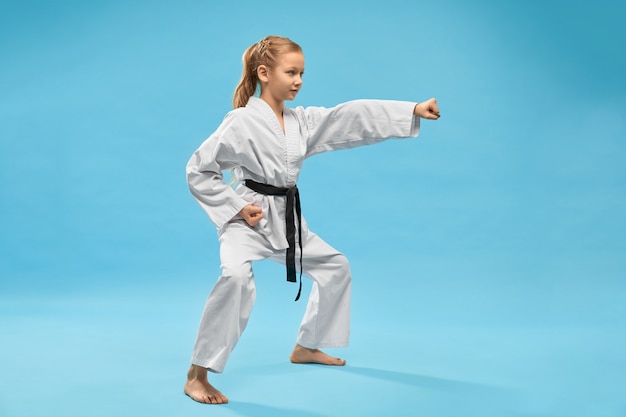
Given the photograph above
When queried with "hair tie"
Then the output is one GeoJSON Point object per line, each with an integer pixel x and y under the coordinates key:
{"type": "Point", "coordinates": [262, 46]}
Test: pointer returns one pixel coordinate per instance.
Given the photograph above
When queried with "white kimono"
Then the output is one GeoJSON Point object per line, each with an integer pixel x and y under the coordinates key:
{"type": "Point", "coordinates": [251, 141]}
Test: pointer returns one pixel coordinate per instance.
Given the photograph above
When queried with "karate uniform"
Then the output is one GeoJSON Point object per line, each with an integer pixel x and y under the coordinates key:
{"type": "Point", "coordinates": [251, 142]}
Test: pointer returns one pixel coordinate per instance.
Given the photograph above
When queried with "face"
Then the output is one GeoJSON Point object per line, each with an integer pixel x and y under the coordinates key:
{"type": "Point", "coordinates": [284, 80]}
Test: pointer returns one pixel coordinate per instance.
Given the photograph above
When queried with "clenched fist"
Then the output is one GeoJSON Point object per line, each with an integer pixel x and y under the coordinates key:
{"type": "Point", "coordinates": [251, 214]}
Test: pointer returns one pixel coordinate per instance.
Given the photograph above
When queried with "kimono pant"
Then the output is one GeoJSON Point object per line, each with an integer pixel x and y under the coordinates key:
{"type": "Point", "coordinates": [326, 322]}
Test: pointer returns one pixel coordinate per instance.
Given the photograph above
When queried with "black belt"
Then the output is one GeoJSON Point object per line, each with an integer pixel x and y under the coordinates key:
{"type": "Point", "coordinates": [293, 200]}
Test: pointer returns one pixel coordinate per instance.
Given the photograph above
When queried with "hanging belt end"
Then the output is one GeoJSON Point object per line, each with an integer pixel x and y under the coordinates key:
{"type": "Point", "coordinates": [299, 291]}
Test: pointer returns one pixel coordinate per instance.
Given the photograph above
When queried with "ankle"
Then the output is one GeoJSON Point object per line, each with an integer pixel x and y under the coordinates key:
{"type": "Point", "coordinates": [197, 372]}
{"type": "Point", "coordinates": [300, 348]}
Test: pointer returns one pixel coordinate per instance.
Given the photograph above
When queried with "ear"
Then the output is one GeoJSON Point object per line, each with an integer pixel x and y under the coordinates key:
{"type": "Point", "coordinates": [262, 73]}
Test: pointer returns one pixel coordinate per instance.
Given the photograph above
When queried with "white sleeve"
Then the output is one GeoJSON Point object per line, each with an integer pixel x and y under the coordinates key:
{"type": "Point", "coordinates": [205, 179]}
{"type": "Point", "coordinates": [358, 123]}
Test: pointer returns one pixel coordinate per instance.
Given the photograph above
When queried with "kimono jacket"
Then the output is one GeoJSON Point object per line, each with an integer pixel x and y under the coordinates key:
{"type": "Point", "coordinates": [251, 142]}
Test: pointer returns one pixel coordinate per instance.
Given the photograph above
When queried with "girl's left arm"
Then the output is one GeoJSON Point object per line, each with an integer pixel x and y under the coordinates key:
{"type": "Point", "coordinates": [362, 122]}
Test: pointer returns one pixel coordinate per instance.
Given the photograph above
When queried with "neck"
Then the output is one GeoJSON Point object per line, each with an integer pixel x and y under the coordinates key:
{"type": "Point", "coordinates": [276, 105]}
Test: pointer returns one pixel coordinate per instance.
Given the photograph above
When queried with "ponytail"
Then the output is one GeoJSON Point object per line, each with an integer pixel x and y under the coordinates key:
{"type": "Point", "coordinates": [265, 52]}
{"type": "Point", "coordinates": [249, 79]}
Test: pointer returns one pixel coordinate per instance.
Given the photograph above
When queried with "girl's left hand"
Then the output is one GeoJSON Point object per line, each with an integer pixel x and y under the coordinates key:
{"type": "Point", "coordinates": [427, 109]}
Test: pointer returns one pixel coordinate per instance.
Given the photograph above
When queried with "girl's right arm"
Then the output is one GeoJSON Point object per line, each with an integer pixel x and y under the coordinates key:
{"type": "Point", "coordinates": [206, 181]}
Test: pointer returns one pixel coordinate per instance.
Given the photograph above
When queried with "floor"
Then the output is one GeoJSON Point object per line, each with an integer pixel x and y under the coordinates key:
{"type": "Point", "coordinates": [435, 347]}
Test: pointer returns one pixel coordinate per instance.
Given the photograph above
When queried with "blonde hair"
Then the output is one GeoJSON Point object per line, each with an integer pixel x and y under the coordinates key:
{"type": "Point", "coordinates": [265, 52]}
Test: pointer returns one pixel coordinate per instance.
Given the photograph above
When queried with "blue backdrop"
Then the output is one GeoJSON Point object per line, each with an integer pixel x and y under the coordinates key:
{"type": "Point", "coordinates": [488, 254]}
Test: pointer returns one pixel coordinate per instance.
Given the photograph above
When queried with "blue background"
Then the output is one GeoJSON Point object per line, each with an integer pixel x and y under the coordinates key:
{"type": "Point", "coordinates": [488, 255]}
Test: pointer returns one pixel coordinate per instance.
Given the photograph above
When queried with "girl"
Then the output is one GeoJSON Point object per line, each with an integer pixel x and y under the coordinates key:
{"type": "Point", "coordinates": [265, 143]}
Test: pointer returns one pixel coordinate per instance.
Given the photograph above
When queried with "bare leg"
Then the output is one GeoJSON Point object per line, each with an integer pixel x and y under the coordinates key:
{"type": "Point", "coordinates": [301, 354]}
{"type": "Point", "coordinates": [198, 388]}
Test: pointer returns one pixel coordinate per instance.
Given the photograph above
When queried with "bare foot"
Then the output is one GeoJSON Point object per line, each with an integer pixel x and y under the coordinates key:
{"type": "Point", "coordinates": [198, 388]}
{"type": "Point", "coordinates": [301, 354]}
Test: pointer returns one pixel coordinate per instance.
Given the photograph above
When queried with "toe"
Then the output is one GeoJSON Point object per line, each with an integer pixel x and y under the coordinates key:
{"type": "Point", "coordinates": [338, 362]}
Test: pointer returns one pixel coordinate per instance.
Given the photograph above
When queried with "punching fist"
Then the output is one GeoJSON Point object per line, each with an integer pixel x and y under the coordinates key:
{"type": "Point", "coordinates": [427, 109]}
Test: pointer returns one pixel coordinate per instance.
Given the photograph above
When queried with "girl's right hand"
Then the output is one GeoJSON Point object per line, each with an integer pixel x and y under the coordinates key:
{"type": "Point", "coordinates": [251, 214]}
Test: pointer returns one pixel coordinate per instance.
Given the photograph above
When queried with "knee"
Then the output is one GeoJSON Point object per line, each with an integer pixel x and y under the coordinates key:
{"type": "Point", "coordinates": [343, 268]}
{"type": "Point", "coordinates": [237, 276]}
